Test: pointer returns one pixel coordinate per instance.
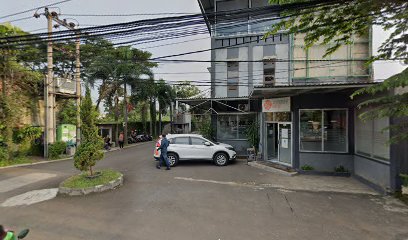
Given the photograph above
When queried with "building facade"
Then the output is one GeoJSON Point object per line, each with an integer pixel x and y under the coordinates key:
{"type": "Point", "coordinates": [300, 97]}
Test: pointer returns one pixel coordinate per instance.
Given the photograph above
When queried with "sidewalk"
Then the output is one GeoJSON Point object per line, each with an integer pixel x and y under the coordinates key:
{"type": "Point", "coordinates": [43, 161]}
{"type": "Point", "coordinates": [274, 178]}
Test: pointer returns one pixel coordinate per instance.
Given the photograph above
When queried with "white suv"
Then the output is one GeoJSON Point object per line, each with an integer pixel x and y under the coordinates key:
{"type": "Point", "coordinates": [194, 146]}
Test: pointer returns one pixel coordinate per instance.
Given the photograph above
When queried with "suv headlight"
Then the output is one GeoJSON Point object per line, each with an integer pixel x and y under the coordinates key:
{"type": "Point", "coordinates": [230, 148]}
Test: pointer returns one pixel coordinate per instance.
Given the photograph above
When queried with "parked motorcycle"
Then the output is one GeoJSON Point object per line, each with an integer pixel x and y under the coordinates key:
{"type": "Point", "coordinates": [10, 234]}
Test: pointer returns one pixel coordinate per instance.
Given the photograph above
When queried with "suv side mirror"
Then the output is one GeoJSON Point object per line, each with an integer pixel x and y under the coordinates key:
{"type": "Point", "coordinates": [207, 144]}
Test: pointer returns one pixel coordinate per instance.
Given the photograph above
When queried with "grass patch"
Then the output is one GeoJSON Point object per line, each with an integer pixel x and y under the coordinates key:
{"type": "Point", "coordinates": [14, 161]}
{"type": "Point", "coordinates": [80, 181]}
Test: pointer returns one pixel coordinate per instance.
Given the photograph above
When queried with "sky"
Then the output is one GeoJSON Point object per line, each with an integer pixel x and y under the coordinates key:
{"type": "Point", "coordinates": [126, 7]}
{"type": "Point", "coordinates": [381, 70]}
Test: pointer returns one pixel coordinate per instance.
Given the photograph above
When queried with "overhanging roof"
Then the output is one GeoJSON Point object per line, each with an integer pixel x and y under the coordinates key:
{"type": "Point", "coordinates": [195, 101]}
{"type": "Point", "coordinates": [293, 90]}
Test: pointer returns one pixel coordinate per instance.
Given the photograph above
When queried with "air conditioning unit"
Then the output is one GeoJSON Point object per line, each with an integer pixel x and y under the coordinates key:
{"type": "Point", "coordinates": [243, 107]}
{"type": "Point", "coordinates": [269, 80]}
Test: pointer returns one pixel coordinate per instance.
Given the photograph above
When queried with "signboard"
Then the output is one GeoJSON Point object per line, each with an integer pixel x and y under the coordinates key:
{"type": "Point", "coordinates": [276, 105]}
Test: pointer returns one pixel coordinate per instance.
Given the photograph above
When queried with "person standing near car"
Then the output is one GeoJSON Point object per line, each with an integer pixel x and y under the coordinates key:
{"type": "Point", "coordinates": [157, 151]}
{"type": "Point", "coordinates": [163, 155]}
{"type": "Point", "coordinates": [121, 140]}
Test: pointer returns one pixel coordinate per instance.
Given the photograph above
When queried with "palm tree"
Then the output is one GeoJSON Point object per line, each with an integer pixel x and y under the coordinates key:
{"type": "Point", "coordinates": [165, 96]}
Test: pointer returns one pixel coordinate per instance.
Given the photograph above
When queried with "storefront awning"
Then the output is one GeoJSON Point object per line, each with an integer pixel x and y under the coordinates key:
{"type": "Point", "coordinates": [294, 90]}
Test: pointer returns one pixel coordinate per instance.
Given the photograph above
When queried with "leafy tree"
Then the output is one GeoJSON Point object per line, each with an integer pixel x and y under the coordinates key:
{"type": "Point", "coordinates": [165, 96]}
{"type": "Point", "coordinates": [186, 90]}
{"type": "Point", "coordinates": [67, 112]}
{"type": "Point", "coordinates": [89, 151]}
{"type": "Point", "coordinates": [20, 87]}
{"type": "Point", "coordinates": [337, 22]}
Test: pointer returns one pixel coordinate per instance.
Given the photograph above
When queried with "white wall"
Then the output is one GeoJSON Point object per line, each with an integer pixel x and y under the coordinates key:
{"type": "Point", "coordinates": [243, 72]}
{"type": "Point", "coordinates": [282, 67]}
{"type": "Point", "coordinates": [220, 70]}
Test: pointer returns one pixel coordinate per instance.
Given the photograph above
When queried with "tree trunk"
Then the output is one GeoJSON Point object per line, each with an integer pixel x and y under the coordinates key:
{"type": "Point", "coordinates": [90, 171]}
{"type": "Point", "coordinates": [143, 112]}
{"type": "Point", "coordinates": [151, 118]}
{"type": "Point", "coordinates": [125, 113]}
{"type": "Point", "coordinates": [116, 120]}
{"type": "Point", "coordinates": [160, 119]}
{"type": "Point", "coordinates": [154, 118]}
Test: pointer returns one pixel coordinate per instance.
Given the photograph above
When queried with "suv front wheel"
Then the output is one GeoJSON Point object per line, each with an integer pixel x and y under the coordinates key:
{"type": "Point", "coordinates": [221, 159]}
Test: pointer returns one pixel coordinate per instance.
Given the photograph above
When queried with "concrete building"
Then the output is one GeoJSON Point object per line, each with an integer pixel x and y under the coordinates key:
{"type": "Point", "coordinates": [300, 99]}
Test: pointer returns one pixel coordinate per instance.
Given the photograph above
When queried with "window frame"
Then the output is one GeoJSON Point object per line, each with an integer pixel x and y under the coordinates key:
{"type": "Point", "coordinates": [323, 130]}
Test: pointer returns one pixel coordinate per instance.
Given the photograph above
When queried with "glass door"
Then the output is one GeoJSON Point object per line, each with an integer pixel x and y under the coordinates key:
{"type": "Point", "coordinates": [285, 143]}
{"type": "Point", "coordinates": [272, 141]}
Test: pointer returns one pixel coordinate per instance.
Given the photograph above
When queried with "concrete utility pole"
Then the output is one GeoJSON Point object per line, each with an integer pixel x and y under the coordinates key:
{"type": "Point", "coordinates": [78, 88]}
{"type": "Point", "coordinates": [49, 92]}
{"type": "Point", "coordinates": [49, 97]}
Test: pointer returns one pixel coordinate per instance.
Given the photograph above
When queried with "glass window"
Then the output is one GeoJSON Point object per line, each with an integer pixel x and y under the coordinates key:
{"type": "Point", "coordinates": [371, 140]}
{"type": "Point", "coordinates": [197, 141]}
{"type": "Point", "coordinates": [227, 25]}
{"type": "Point", "coordinates": [227, 127]}
{"type": "Point", "coordinates": [323, 130]}
{"type": "Point", "coordinates": [233, 126]}
{"type": "Point", "coordinates": [182, 140]}
{"type": "Point", "coordinates": [243, 123]}
{"type": "Point", "coordinates": [311, 130]}
{"type": "Point", "coordinates": [335, 131]}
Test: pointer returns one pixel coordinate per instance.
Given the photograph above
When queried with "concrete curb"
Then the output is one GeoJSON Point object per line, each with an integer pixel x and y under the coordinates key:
{"type": "Point", "coordinates": [70, 158]}
{"type": "Point", "coordinates": [272, 169]}
{"type": "Point", "coordinates": [85, 191]}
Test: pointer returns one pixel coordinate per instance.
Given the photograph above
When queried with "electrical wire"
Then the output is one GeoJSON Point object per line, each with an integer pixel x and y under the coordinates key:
{"type": "Point", "coordinates": [33, 9]}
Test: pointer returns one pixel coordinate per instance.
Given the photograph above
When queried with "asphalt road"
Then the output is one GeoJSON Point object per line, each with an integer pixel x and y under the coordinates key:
{"type": "Point", "coordinates": [195, 200]}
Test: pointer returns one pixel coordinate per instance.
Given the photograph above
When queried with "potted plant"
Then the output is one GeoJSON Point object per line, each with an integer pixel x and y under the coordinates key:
{"type": "Point", "coordinates": [404, 187]}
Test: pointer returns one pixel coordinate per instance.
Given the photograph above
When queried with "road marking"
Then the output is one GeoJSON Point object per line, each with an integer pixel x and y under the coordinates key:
{"type": "Point", "coordinates": [31, 197]}
{"type": "Point", "coordinates": [235, 184]}
{"type": "Point", "coordinates": [20, 181]}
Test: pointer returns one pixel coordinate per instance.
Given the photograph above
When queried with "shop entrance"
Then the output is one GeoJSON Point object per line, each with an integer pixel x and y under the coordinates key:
{"type": "Point", "coordinates": [279, 142]}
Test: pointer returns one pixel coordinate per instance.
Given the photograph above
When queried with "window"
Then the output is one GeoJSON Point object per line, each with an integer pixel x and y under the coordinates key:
{"type": "Point", "coordinates": [371, 139]}
{"type": "Point", "coordinates": [227, 25]}
{"type": "Point", "coordinates": [233, 126]}
{"type": "Point", "coordinates": [269, 72]}
{"type": "Point", "coordinates": [323, 130]}
{"type": "Point", "coordinates": [232, 78]}
{"type": "Point", "coordinates": [197, 141]}
{"type": "Point", "coordinates": [182, 140]}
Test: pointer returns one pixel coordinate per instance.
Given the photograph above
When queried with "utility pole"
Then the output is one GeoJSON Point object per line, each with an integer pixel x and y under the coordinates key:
{"type": "Point", "coordinates": [48, 97]}
{"type": "Point", "coordinates": [49, 92]}
{"type": "Point", "coordinates": [125, 129]}
{"type": "Point", "coordinates": [78, 88]}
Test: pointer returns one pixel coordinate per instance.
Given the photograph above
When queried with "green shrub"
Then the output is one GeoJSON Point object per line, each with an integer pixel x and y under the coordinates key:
{"type": "Point", "coordinates": [340, 168]}
{"type": "Point", "coordinates": [404, 179]}
{"type": "Point", "coordinates": [307, 168]}
{"type": "Point", "coordinates": [56, 149]}
{"type": "Point", "coordinates": [252, 134]}
{"type": "Point", "coordinates": [4, 154]}
{"type": "Point", "coordinates": [205, 128]}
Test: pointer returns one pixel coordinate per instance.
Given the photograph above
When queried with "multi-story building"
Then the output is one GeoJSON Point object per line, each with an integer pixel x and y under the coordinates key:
{"type": "Point", "coordinates": [300, 98]}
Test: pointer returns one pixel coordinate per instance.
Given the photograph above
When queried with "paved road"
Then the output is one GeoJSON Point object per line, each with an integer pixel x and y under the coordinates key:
{"type": "Point", "coordinates": [195, 200]}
